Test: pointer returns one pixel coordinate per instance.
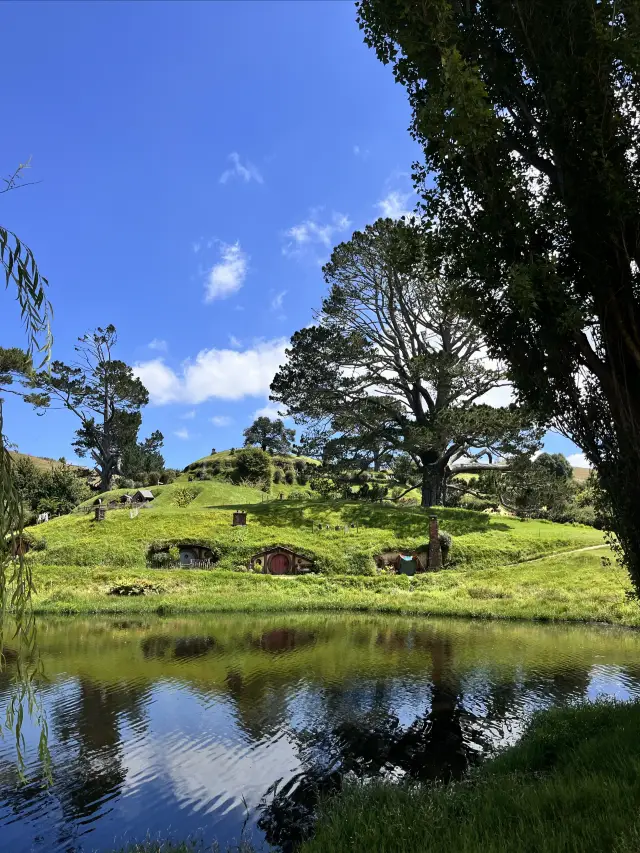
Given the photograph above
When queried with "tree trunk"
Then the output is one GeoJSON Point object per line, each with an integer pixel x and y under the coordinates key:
{"type": "Point", "coordinates": [433, 485]}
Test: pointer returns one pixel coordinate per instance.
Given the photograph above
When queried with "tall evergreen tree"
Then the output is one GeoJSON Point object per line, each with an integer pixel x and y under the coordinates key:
{"type": "Point", "coordinates": [391, 366]}
{"type": "Point", "coordinates": [527, 113]}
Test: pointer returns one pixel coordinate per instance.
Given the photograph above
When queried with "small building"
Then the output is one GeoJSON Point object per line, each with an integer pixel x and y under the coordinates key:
{"type": "Point", "coordinates": [280, 561]}
{"type": "Point", "coordinates": [195, 555]}
{"type": "Point", "coordinates": [143, 496]}
{"type": "Point", "coordinates": [239, 519]}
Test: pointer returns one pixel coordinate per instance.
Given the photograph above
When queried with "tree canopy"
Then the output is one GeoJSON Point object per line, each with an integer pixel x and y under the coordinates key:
{"type": "Point", "coordinates": [527, 114]}
{"type": "Point", "coordinates": [104, 394]}
{"type": "Point", "coordinates": [392, 367]}
{"type": "Point", "coordinates": [270, 435]}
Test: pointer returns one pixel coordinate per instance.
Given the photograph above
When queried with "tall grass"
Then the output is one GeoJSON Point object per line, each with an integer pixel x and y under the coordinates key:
{"type": "Point", "coordinates": [571, 784]}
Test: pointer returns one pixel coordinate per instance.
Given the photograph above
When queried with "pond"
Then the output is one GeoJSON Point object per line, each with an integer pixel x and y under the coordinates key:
{"type": "Point", "coordinates": [228, 726]}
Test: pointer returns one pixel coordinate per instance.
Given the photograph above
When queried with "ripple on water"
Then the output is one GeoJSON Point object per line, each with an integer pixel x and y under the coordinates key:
{"type": "Point", "coordinates": [208, 725]}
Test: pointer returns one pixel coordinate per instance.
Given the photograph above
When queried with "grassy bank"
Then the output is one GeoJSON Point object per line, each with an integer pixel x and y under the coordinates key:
{"type": "Point", "coordinates": [340, 536]}
{"type": "Point", "coordinates": [573, 587]}
{"type": "Point", "coordinates": [571, 784]}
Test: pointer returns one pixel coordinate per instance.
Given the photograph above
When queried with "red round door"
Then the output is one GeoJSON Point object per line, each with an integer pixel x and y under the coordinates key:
{"type": "Point", "coordinates": [279, 564]}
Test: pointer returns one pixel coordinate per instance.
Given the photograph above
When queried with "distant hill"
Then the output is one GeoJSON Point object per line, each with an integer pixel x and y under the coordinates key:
{"type": "Point", "coordinates": [45, 462]}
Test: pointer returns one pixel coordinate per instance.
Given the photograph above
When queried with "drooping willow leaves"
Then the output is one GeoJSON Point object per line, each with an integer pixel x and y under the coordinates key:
{"type": "Point", "coordinates": [16, 581]}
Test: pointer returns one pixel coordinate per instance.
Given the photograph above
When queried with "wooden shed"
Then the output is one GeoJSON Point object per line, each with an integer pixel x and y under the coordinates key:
{"type": "Point", "coordinates": [280, 561]}
{"type": "Point", "coordinates": [143, 496]}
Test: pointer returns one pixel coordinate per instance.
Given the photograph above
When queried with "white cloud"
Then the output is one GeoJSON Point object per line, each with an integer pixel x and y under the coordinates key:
{"type": "Point", "coordinates": [183, 433]}
{"type": "Point", "coordinates": [244, 171]}
{"type": "Point", "coordinates": [158, 344]}
{"type": "Point", "coordinates": [228, 275]}
{"type": "Point", "coordinates": [269, 411]}
{"type": "Point", "coordinates": [498, 397]}
{"type": "Point", "coordinates": [234, 342]}
{"type": "Point", "coordinates": [225, 374]}
{"type": "Point", "coordinates": [221, 420]}
{"type": "Point", "coordinates": [312, 233]}
{"type": "Point", "coordinates": [395, 205]}
{"type": "Point", "coordinates": [189, 416]}
{"type": "Point", "coordinates": [579, 460]}
{"type": "Point", "coordinates": [276, 302]}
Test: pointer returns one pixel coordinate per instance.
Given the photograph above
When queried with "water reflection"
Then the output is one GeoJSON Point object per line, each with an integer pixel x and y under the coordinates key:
{"type": "Point", "coordinates": [182, 725]}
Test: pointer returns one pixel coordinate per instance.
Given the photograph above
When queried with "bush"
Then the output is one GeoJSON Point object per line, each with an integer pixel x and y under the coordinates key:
{"type": "Point", "coordinates": [289, 477]}
{"type": "Point", "coordinates": [232, 452]}
{"type": "Point", "coordinates": [182, 497]}
{"type": "Point", "coordinates": [125, 483]}
{"type": "Point", "coordinates": [153, 478]}
{"type": "Point", "coordinates": [446, 541]}
{"type": "Point", "coordinates": [253, 465]}
{"type": "Point", "coordinates": [302, 478]}
{"type": "Point", "coordinates": [161, 559]}
{"type": "Point", "coordinates": [278, 476]}
{"type": "Point", "coordinates": [297, 495]}
{"type": "Point", "coordinates": [169, 475]}
{"type": "Point", "coordinates": [300, 466]}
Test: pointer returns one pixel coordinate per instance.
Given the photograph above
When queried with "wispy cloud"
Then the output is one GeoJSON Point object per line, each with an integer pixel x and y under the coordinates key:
{"type": "Point", "coordinates": [221, 420]}
{"type": "Point", "coordinates": [395, 204]}
{"type": "Point", "coordinates": [243, 171]}
{"type": "Point", "coordinates": [276, 302]}
{"type": "Point", "coordinates": [158, 344]}
{"type": "Point", "coordinates": [234, 342]}
{"type": "Point", "coordinates": [358, 151]}
{"type": "Point", "coordinates": [182, 433]}
{"type": "Point", "coordinates": [227, 276]}
{"type": "Point", "coordinates": [189, 416]}
{"type": "Point", "coordinates": [225, 374]}
{"type": "Point", "coordinates": [313, 233]}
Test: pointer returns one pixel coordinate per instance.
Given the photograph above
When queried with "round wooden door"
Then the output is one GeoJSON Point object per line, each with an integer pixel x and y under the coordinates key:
{"type": "Point", "coordinates": [279, 564]}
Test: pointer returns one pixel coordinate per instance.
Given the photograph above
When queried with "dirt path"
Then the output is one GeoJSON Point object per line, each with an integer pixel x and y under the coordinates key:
{"type": "Point", "coordinates": [557, 554]}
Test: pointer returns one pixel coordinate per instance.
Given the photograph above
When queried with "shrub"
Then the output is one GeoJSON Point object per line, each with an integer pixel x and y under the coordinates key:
{"type": "Point", "coordinates": [302, 478]}
{"type": "Point", "coordinates": [169, 475]}
{"type": "Point", "coordinates": [446, 541]}
{"type": "Point", "coordinates": [160, 559]}
{"type": "Point", "coordinates": [300, 465]}
{"type": "Point", "coordinates": [297, 495]}
{"type": "Point", "coordinates": [174, 553]}
{"type": "Point", "coordinates": [232, 452]}
{"type": "Point", "coordinates": [213, 450]}
{"type": "Point", "coordinates": [183, 496]}
{"type": "Point", "coordinates": [289, 477]}
{"type": "Point", "coordinates": [278, 475]}
{"type": "Point", "coordinates": [125, 483]}
{"type": "Point", "coordinates": [153, 478]}
{"type": "Point", "coordinates": [253, 465]}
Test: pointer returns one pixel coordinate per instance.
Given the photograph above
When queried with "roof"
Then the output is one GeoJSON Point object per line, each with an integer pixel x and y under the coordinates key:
{"type": "Point", "coordinates": [145, 493]}
{"type": "Point", "coordinates": [278, 548]}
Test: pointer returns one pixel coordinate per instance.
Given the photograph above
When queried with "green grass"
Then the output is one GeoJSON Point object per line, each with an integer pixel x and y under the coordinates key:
{"type": "Point", "coordinates": [479, 540]}
{"type": "Point", "coordinates": [573, 587]}
{"type": "Point", "coordinates": [571, 784]}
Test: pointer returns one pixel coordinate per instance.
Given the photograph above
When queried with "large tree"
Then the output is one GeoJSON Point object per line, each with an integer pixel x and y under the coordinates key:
{"type": "Point", "coordinates": [527, 113]}
{"type": "Point", "coordinates": [104, 394]}
{"type": "Point", "coordinates": [391, 365]}
{"type": "Point", "coordinates": [270, 435]}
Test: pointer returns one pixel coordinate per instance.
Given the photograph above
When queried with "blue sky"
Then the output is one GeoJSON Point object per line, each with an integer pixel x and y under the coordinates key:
{"type": "Point", "coordinates": [196, 161]}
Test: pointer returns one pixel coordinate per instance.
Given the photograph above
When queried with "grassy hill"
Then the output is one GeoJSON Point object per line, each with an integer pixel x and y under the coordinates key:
{"type": "Point", "coordinates": [44, 463]}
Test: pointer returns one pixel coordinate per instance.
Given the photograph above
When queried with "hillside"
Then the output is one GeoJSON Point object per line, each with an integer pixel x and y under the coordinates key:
{"type": "Point", "coordinates": [45, 462]}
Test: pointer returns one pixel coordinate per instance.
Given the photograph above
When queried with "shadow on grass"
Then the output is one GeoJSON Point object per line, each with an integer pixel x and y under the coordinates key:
{"type": "Point", "coordinates": [402, 521]}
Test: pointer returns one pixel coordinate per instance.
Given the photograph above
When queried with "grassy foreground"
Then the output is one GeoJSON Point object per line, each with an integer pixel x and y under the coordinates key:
{"type": "Point", "coordinates": [567, 587]}
{"type": "Point", "coordinates": [571, 784]}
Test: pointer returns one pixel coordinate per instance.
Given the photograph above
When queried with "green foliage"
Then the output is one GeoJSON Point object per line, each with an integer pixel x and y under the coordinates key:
{"type": "Point", "coordinates": [393, 368]}
{"type": "Point", "coordinates": [527, 118]}
{"type": "Point", "coordinates": [289, 477]}
{"type": "Point", "coordinates": [104, 395]}
{"type": "Point", "coordinates": [269, 435]}
{"type": "Point", "coordinates": [184, 495]}
{"type": "Point", "coordinates": [143, 456]}
{"type": "Point", "coordinates": [253, 465]}
{"type": "Point", "coordinates": [278, 475]}
{"type": "Point", "coordinates": [56, 490]}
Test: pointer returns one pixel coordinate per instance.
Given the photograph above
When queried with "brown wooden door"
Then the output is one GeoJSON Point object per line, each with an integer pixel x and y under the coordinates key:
{"type": "Point", "coordinates": [279, 564]}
